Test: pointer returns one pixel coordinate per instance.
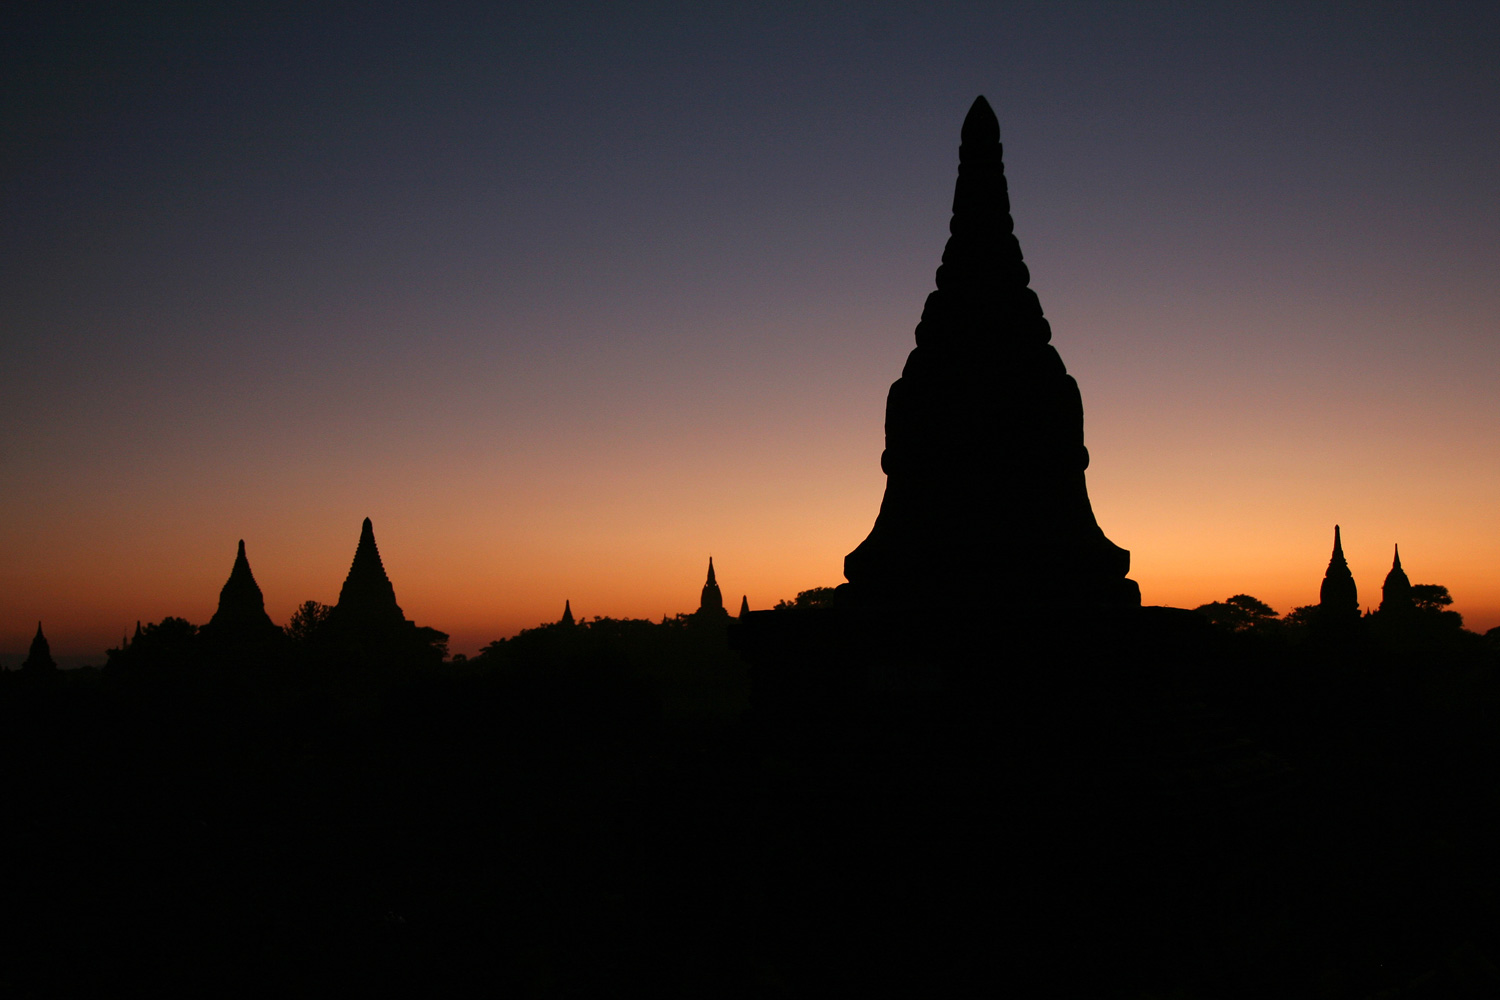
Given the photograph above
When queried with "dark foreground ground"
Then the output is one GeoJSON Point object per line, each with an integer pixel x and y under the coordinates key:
{"type": "Point", "coordinates": [1263, 822]}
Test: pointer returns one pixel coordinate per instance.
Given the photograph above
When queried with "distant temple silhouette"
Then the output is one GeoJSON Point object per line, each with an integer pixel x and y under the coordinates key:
{"type": "Point", "coordinates": [711, 604]}
{"type": "Point", "coordinates": [1338, 598]}
{"type": "Point", "coordinates": [1396, 595]}
{"type": "Point", "coordinates": [241, 618]}
{"type": "Point", "coordinates": [40, 655]}
{"type": "Point", "coordinates": [567, 615]}
{"type": "Point", "coordinates": [985, 496]}
{"type": "Point", "coordinates": [367, 618]}
{"type": "Point", "coordinates": [744, 606]}
{"type": "Point", "coordinates": [367, 598]}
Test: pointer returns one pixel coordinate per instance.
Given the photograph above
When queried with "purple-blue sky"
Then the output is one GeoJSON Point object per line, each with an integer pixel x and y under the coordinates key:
{"type": "Point", "coordinates": [566, 300]}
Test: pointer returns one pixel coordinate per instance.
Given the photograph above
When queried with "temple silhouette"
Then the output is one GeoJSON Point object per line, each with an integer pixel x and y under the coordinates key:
{"type": "Point", "coordinates": [241, 618]}
{"type": "Point", "coordinates": [369, 624]}
{"type": "Point", "coordinates": [985, 546]}
{"type": "Point", "coordinates": [984, 455]}
{"type": "Point", "coordinates": [39, 657]}
{"type": "Point", "coordinates": [1395, 593]}
{"type": "Point", "coordinates": [711, 603]}
{"type": "Point", "coordinates": [1338, 598]}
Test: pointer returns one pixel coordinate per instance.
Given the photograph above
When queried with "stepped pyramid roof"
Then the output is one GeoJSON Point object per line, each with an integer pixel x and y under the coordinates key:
{"type": "Point", "coordinates": [367, 595]}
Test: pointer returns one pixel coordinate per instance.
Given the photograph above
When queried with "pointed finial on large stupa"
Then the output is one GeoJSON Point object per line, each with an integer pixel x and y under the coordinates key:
{"type": "Point", "coordinates": [367, 596]}
{"type": "Point", "coordinates": [981, 127]}
{"type": "Point", "coordinates": [567, 617]}
{"type": "Point", "coordinates": [40, 655]}
{"type": "Point", "coordinates": [241, 616]}
{"type": "Point", "coordinates": [1338, 598]}
{"type": "Point", "coordinates": [984, 456]}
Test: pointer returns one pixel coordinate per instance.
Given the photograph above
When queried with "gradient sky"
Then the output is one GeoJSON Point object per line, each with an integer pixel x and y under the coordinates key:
{"type": "Point", "coordinates": [567, 301]}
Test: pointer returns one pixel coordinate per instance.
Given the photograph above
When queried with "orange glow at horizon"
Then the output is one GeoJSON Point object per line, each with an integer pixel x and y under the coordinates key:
{"type": "Point", "coordinates": [566, 321]}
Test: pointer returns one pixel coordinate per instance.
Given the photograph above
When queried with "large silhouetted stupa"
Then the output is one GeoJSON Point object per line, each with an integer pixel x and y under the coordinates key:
{"type": "Point", "coordinates": [985, 499]}
{"type": "Point", "coordinates": [241, 616]}
{"type": "Point", "coordinates": [367, 599]}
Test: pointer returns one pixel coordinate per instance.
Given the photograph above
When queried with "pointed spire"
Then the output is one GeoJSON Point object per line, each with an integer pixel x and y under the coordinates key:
{"type": "Point", "coordinates": [984, 456]}
{"type": "Point", "coordinates": [367, 594]}
{"type": "Point", "coordinates": [241, 616]}
{"type": "Point", "coordinates": [712, 601]}
{"type": "Point", "coordinates": [40, 655]}
{"type": "Point", "coordinates": [1338, 598]}
{"type": "Point", "coordinates": [745, 606]}
{"type": "Point", "coordinates": [567, 618]}
{"type": "Point", "coordinates": [1395, 594]}
{"type": "Point", "coordinates": [137, 635]}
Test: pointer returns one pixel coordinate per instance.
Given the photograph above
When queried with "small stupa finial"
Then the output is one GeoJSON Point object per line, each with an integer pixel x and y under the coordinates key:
{"type": "Point", "coordinates": [980, 124]}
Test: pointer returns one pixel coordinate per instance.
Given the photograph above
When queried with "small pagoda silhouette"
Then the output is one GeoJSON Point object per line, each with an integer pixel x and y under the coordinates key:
{"type": "Point", "coordinates": [40, 655]}
{"type": "Point", "coordinates": [1338, 598]}
{"type": "Point", "coordinates": [241, 618]}
{"type": "Point", "coordinates": [711, 603]}
{"type": "Point", "coordinates": [1395, 594]}
{"type": "Point", "coordinates": [369, 623]}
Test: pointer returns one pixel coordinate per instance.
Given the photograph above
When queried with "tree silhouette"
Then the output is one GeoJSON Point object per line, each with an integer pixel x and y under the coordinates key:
{"type": "Point", "coordinates": [307, 620]}
{"type": "Point", "coordinates": [1431, 601]}
{"type": "Point", "coordinates": [815, 597]}
{"type": "Point", "coordinates": [1430, 596]}
{"type": "Point", "coordinates": [1240, 613]}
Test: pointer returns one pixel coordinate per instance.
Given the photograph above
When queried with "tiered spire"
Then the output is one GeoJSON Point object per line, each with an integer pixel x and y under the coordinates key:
{"type": "Point", "coordinates": [745, 606]}
{"type": "Point", "coordinates": [984, 453]}
{"type": "Point", "coordinates": [1338, 599]}
{"type": "Point", "coordinates": [712, 601]}
{"type": "Point", "coordinates": [567, 617]}
{"type": "Point", "coordinates": [40, 655]}
{"type": "Point", "coordinates": [367, 596]}
{"type": "Point", "coordinates": [241, 614]}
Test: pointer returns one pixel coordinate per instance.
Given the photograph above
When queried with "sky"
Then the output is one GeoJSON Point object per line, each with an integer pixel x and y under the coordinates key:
{"type": "Point", "coordinates": [567, 298]}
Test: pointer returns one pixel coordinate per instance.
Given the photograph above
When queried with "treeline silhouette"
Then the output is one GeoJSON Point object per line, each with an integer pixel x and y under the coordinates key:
{"type": "Point", "coordinates": [601, 802]}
